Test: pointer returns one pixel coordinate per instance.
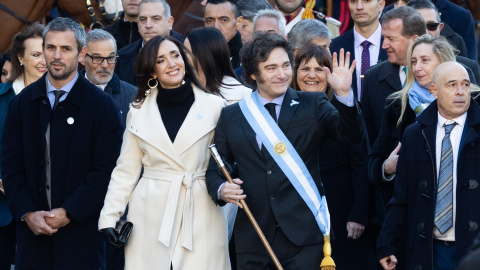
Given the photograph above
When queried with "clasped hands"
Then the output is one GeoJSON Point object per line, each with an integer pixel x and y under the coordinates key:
{"type": "Point", "coordinates": [46, 222]}
{"type": "Point", "coordinates": [232, 193]}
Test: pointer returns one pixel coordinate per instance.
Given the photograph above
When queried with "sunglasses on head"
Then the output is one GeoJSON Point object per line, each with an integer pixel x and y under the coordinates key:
{"type": "Point", "coordinates": [432, 26]}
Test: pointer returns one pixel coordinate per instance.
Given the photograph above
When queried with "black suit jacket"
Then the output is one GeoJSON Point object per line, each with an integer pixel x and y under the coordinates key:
{"type": "Point", "coordinates": [127, 56]}
{"type": "Point", "coordinates": [455, 40]}
{"type": "Point", "coordinates": [270, 195]}
{"type": "Point", "coordinates": [122, 93]}
{"type": "Point", "coordinates": [86, 135]}
{"type": "Point", "coordinates": [380, 81]}
{"type": "Point", "coordinates": [124, 32]}
{"type": "Point", "coordinates": [472, 68]}
{"type": "Point", "coordinates": [347, 41]}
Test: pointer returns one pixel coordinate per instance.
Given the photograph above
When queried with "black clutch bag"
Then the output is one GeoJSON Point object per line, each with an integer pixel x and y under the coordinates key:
{"type": "Point", "coordinates": [123, 229]}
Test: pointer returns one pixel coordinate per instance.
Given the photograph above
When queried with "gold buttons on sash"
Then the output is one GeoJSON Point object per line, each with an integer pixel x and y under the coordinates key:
{"type": "Point", "coordinates": [280, 148]}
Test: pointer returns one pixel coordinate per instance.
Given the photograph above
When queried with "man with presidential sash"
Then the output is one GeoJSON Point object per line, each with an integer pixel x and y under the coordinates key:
{"type": "Point", "coordinates": [273, 137]}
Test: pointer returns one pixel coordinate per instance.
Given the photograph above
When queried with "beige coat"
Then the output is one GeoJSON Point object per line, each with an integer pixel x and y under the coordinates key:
{"type": "Point", "coordinates": [175, 220]}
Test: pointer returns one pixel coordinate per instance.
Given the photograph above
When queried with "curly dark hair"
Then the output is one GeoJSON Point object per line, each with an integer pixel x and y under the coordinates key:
{"type": "Point", "coordinates": [144, 65]}
{"type": "Point", "coordinates": [258, 50]}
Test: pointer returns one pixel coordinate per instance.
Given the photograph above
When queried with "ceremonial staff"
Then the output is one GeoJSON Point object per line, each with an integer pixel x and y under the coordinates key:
{"type": "Point", "coordinates": [219, 161]}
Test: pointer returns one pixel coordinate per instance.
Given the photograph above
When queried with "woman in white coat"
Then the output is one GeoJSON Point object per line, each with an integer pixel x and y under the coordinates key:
{"type": "Point", "coordinates": [169, 128]}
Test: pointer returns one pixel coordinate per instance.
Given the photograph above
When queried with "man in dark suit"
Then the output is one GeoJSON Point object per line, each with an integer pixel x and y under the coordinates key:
{"type": "Point", "coordinates": [399, 27]}
{"type": "Point", "coordinates": [99, 64]}
{"type": "Point", "coordinates": [459, 19]}
{"type": "Point", "coordinates": [436, 181]}
{"type": "Point", "coordinates": [61, 141]}
{"type": "Point", "coordinates": [225, 16]}
{"type": "Point", "coordinates": [364, 41]}
{"type": "Point", "coordinates": [154, 19]}
{"type": "Point", "coordinates": [436, 27]}
{"type": "Point", "coordinates": [306, 119]}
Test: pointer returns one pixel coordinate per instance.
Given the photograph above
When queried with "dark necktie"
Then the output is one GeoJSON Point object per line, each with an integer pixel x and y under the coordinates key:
{"type": "Point", "coordinates": [365, 59]}
{"type": "Point", "coordinates": [58, 94]}
{"type": "Point", "coordinates": [271, 109]}
{"type": "Point", "coordinates": [444, 205]}
{"type": "Point", "coordinates": [404, 71]}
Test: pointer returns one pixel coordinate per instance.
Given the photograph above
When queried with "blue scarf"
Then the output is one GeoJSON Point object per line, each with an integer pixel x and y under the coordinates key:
{"type": "Point", "coordinates": [419, 98]}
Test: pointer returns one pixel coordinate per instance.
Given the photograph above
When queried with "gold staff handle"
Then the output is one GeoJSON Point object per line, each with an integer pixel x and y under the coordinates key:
{"type": "Point", "coordinates": [219, 161]}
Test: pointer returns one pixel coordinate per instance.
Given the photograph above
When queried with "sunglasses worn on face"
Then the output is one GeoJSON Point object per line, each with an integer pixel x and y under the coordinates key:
{"type": "Point", "coordinates": [432, 26]}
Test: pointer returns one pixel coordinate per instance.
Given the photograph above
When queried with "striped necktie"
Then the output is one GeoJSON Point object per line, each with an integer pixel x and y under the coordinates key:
{"type": "Point", "coordinates": [444, 205]}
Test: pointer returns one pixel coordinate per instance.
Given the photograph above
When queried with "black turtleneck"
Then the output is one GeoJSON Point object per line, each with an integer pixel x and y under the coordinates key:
{"type": "Point", "coordinates": [174, 105]}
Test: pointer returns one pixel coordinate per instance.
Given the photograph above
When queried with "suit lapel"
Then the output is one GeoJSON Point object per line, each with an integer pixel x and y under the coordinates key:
{"type": "Point", "coordinates": [250, 134]}
{"type": "Point", "coordinates": [288, 109]}
{"type": "Point", "coordinates": [391, 75]}
{"type": "Point", "coordinates": [148, 126]}
{"type": "Point", "coordinates": [350, 47]}
{"type": "Point", "coordinates": [200, 119]}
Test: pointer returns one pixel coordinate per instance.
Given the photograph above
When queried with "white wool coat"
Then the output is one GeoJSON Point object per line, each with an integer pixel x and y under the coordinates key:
{"type": "Point", "coordinates": [175, 220]}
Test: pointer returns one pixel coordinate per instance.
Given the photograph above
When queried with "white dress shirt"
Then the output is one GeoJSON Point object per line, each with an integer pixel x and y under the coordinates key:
{"type": "Point", "coordinates": [402, 75]}
{"type": "Point", "coordinates": [374, 50]}
{"type": "Point", "coordinates": [455, 139]}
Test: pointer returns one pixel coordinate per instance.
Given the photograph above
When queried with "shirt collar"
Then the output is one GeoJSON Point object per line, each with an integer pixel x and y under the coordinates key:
{"type": "Point", "coordinates": [459, 120]}
{"type": "Point", "coordinates": [375, 38]}
{"type": "Point", "coordinates": [277, 101]}
{"type": "Point", "coordinates": [65, 88]}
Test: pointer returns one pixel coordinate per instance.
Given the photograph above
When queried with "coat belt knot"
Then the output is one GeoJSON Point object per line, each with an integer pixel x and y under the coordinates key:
{"type": "Point", "coordinates": [177, 180]}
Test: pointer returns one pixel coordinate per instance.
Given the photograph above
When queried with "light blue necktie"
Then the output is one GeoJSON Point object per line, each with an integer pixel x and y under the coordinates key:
{"type": "Point", "coordinates": [404, 71]}
{"type": "Point", "coordinates": [444, 206]}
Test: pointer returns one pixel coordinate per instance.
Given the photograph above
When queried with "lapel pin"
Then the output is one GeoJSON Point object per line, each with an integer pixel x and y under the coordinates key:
{"type": "Point", "coordinates": [199, 116]}
{"type": "Point", "coordinates": [70, 120]}
{"type": "Point", "coordinates": [294, 102]}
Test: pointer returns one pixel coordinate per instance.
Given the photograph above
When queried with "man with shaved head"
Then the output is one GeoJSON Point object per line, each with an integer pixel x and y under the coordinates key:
{"type": "Point", "coordinates": [437, 179]}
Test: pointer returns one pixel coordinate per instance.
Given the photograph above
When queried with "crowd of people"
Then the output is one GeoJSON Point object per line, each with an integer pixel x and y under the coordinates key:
{"type": "Point", "coordinates": [115, 124]}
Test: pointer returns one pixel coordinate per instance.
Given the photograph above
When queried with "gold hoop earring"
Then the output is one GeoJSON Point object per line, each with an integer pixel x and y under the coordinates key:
{"type": "Point", "coordinates": [148, 91]}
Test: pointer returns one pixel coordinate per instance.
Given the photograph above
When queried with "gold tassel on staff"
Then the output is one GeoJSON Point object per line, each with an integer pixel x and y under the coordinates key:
{"type": "Point", "coordinates": [327, 262]}
{"type": "Point", "coordinates": [219, 161]}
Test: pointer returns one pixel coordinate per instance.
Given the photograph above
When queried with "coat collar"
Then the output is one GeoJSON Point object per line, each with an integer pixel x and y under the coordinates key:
{"type": "Point", "coordinates": [389, 72]}
{"type": "Point", "coordinates": [429, 120]}
{"type": "Point", "coordinates": [76, 96]}
{"type": "Point", "coordinates": [199, 119]}
{"type": "Point", "coordinates": [287, 111]}
{"type": "Point", "coordinates": [113, 86]}
{"type": "Point", "coordinates": [5, 87]}
{"type": "Point", "coordinates": [148, 125]}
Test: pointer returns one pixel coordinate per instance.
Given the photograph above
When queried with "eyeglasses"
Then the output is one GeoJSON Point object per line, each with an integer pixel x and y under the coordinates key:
{"type": "Point", "coordinates": [432, 26]}
{"type": "Point", "coordinates": [98, 60]}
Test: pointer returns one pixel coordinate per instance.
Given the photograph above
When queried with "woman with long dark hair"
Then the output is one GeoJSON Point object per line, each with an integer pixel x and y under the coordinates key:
{"type": "Point", "coordinates": [212, 62]}
{"type": "Point", "coordinates": [169, 129]}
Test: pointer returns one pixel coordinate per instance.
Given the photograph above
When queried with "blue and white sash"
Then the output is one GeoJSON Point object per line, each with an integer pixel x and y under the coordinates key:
{"type": "Point", "coordinates": [287, 158]}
